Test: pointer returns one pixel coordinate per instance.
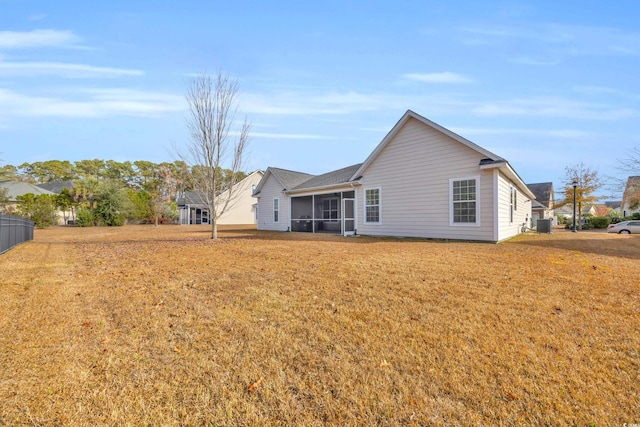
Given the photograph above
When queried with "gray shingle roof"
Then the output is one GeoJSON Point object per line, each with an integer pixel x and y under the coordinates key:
{"type": "Point", "coordinates": [57, 186]}
{"type": "Point", "coordinates": [339, 176]}
{"type": "Point", "coordinates": [21, 188]}
{"type": "Point", "coordinates": [542, 191]}
{"type": "Point", "coordinates": [290, 179]}
{"type": "Point", "coordinates": [190, 198]}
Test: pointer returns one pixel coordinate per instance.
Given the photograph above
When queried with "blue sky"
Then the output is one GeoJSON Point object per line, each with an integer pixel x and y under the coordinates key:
{"type": "Point", "coordinates": [543, 84]}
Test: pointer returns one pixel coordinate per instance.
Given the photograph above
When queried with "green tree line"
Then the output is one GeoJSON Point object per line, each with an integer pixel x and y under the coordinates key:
{"type": "Point", "coordinates": [103, 192]}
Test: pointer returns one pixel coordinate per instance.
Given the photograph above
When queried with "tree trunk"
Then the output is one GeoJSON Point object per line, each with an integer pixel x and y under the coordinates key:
{"type": "Point", "coordinates": [214, 228]}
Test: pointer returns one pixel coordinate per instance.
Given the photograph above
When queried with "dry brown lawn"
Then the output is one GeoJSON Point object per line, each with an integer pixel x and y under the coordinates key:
{"type": "Point", "coordinates": [162, 326]}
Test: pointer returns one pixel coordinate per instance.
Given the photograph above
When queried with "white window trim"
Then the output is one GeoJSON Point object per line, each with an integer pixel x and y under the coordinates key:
{"type": "Point", "coordinates": [464, 224]}
{"type": "Point", "coordinates": [512, 210]}
{"type": "Point", "coordinates": [276, 210]}
{"type": "Point", "coordinates": [364, 202]}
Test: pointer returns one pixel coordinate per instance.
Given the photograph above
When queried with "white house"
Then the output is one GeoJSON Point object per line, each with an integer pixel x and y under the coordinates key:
{"type": "Point", "coordinates": [240, 210]}
{"type": "Point", "coordinates": [422, 180]}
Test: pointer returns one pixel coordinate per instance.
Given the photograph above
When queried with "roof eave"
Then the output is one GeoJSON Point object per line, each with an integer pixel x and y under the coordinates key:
{"type": "Point", "coordinates": [506, 169]}
{"type": "Point", "coordinates": [324, 187]}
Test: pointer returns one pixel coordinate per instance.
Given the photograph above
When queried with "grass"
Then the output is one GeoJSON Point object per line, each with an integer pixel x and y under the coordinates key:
{"type": "Point", "coordinates": [162, 326]}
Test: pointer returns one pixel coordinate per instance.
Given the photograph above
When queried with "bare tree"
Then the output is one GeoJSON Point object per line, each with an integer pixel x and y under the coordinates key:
{"type": "Point", "coordinates": [214, 144]}
{"type": "Point", "coordinates": [587, 182]}
{"type": "Point", "coordinates": [632, 163]}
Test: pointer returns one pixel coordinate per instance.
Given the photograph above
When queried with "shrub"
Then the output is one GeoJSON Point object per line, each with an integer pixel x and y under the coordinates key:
{"type": "Point", "coordinates": [41, 209]}
{"type": "Point", "coordinates": [84, 218]}
{"type": "Point", "coordinates": [599, 221]}
{"type": "Point", "coordinates": [614, 216]}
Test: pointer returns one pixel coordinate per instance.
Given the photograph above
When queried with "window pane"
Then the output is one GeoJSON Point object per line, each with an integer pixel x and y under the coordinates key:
{"type": "Point", "coordinates": [464, 201]}
{"type": "Point", "coordinates": [373, 214]}
{"type": "Point", "coordinates": [372, 205]}
{"type": "Point", "coordinates": [372, 197]}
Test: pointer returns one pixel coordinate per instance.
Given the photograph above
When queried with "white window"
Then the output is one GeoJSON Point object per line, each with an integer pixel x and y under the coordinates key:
{"type": "Point", "coordinates": [513, 206]}
{"type": "Point", "coordinates": [276, 210]}
{"type": "Point", "coordinates": [372, 205]}
{"type": "Point", "coordinates": [464, 201]}
{"type": "Point", "coordinates": [330, 209]}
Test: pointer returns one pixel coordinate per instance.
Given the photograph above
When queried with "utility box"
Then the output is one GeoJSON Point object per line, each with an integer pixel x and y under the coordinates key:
{"type": "Point", "coordinates": [544, 225]}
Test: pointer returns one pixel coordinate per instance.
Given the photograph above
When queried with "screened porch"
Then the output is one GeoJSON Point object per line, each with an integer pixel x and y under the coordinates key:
{"type": "Point", "coordinates": [324, 213]}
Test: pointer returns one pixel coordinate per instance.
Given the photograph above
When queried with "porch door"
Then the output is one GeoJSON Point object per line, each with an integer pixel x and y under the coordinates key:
{"type": "Point", "coordinates": [348, 217]}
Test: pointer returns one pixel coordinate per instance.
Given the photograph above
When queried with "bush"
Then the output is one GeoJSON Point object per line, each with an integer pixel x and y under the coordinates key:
{"type": "Point", "coordinates": [599, 221]}
{"type": "Point", "coordinates": [585, 226]}
{"type": "Point", "coordinates": [84, 218]}
{"type": "Point", "coordinates": [615, 216]}
{"type": "Point", "coordinates": [41, 209]}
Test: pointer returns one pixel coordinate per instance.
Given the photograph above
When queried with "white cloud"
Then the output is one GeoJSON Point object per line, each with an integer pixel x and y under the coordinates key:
{"type": "Point", "coordinates": [33, 69]}
{"type": "Point", "coordinates": [288, 136]}
{"type": "Point", "coordinates": [444, 77]}
{"type": "Point", "coordinates": [553, 133]}
{"type": "Point", "coordinates": [301, 103]}
{"type": "Point", "coordinates": [553, 107]}
{"type": "Point", "coordinates": [558, 39]}
{"type": "Point", "coordinates": [90, 103]}
{"type": "Point", "coordinates": [37, 38]}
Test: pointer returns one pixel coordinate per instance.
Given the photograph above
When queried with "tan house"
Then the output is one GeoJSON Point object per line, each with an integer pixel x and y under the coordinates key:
{"type": "Point", "coordinates": [422, 180]}
{"type": "Point", "coordinates": [631, 196]}
{"type": "Point", "coordinates": [240, 211]}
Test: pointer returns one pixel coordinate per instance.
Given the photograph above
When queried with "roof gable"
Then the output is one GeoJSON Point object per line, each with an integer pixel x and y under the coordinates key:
{"type": "Point", "coordinates": [288, 179]}
{"type": "Point", "coordinates": [412, 115]}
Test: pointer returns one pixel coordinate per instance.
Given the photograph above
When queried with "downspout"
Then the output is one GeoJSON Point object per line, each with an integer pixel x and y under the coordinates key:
{"type": "Point", "coordinates": [496, 205]}
{"type": "Point", "coordinates": [355, 203]}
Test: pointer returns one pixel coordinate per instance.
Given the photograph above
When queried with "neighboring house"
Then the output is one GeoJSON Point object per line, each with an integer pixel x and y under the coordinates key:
{"type": "Point", "coordinates": [566, 211]}
{"type": "Point", "coordinates": [631, 196]}
{"type": "Point", "coordinates": [542, 205]}
{"type": "Point", "coordinates": [57, 186]}
{"type": "Point", "coordinates": [16, 188]}
{"type": "Point", "coordinates": [240, 211]}
{"type": "Point", "coordinates": [422, 180]}
{"type": "Point", "coordinates": [615, 205]}
{"type": "Point", "coordinates": [65, 217]}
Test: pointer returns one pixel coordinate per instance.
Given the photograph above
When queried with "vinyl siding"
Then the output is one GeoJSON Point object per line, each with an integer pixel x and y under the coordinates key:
{"type": "Point", "coordinates": [521, 215]}
{"type": "Point", "coordinates": [241, 209]}
{"type": "Point", "coordinates": [271, 190]}
{"type": "Point", "coordinates": [413, 172]}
